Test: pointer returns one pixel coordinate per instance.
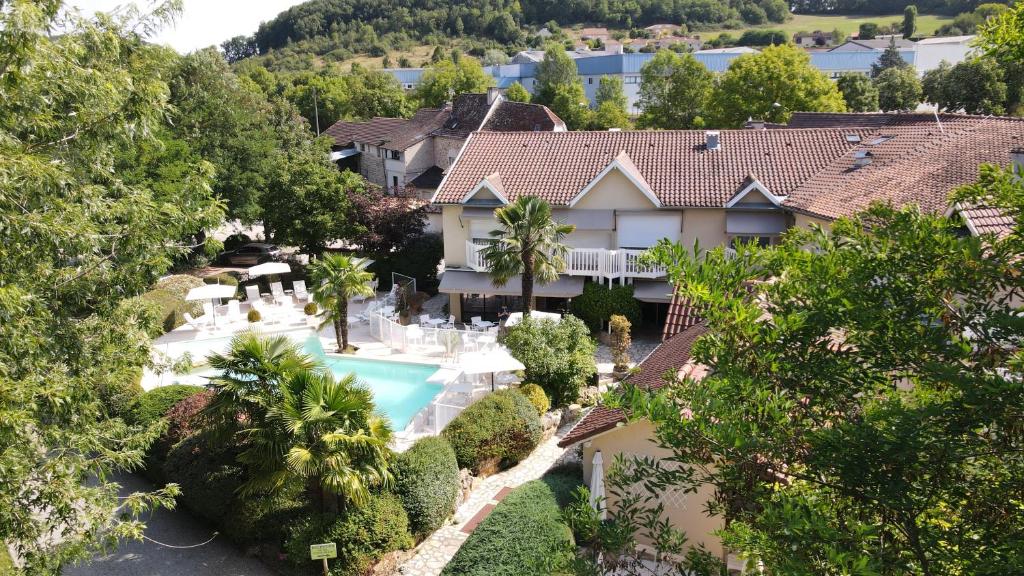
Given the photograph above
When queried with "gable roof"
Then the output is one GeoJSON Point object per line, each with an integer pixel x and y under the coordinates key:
{"type": "Point", "coordinates": [676, 164]}
{"type": "Point", "coordinates": [374, 131]}
{"type": "Point", "coordinates": [625, 165]}
{"type": "Point", "coordinates": [522, 117]}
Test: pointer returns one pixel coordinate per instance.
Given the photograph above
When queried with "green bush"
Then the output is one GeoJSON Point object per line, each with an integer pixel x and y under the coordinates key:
{"type": "Point", "coordinates": [209, 477]}
{"type": "Point", "coordinates": [225, 278]}
{"type": "Point", "coordinates": [427, 481]}
{"type": "Point", "coordinates": [598, 303]}
{"type": "Point", "coordinates": [183, 420]}
{"type": "Point", "coordinates": [363, 535]}
{"type": "Point", "coordinates": [121, 395]}
{"type": "Point", "coordinates": [525, 526]}
{"type": "Point", "coordinates": [253, 520]}
{"type": "Point", "coordinates": [154, 404]}
{"type": "Point", "coordinates": [559, 356]}
{"type": "Point", "coordinates": [419, 259]}
{"type": "Point", "coordinates": [254, 315]}
{"type": "Point", "coordinates": [535, 394]}
{"type": "Point", "coordinates": [496, 431]}
{"type": "Point", "coordinates": [168, 296]}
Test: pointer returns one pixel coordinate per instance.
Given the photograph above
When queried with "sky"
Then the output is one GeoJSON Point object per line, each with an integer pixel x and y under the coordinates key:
{"type": "Point", "coordinates": [204, 22]}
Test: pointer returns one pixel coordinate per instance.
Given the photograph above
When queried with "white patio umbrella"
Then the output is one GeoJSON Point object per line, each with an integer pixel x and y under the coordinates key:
{"type": "Point", "coordinates": [597, 496]}
{"type": "Point", "coordinates": [489, 363]}
{"type": "Point", "coordinates": [268, 268]}
{"type": "Point", "coordinates": [517, 317]}
{"type": "Point", "coordinates": [211, 292]}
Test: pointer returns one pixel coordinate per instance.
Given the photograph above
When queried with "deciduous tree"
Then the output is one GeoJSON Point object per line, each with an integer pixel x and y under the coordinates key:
{"type": "Point", "coordinates": [445, 80]}
{"type": "Point", "coordinates": [898, 89]}
{"type": "Point", "coordinates": [557, 69]}
{"type": "Point", "coordinates": [675, 90]}
{"type": "Point", "coordinates": [859, 93]}
{"type": "Point", "coordinates": [516, 93]}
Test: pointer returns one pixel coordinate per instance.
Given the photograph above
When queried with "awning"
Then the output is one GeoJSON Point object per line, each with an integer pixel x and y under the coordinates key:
{"type": "Point", "coordinates": [465, 282]}
{"type": "Point", "coordinates": [344, 153]}
{"type": "Point", "coordinates": [658, 292]}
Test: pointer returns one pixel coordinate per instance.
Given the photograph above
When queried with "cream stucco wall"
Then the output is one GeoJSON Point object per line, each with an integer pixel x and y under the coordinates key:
{"type": "Point", "coordinates": [805, 221]}
{"type": "Point", "coordinates": [685, 511]}
{"type": "Point", "coordinates": [455, 236]}
{"type": "Point", "coordinates": [615, 191]}
{"type": "Point", "coordinates": [705, 225]}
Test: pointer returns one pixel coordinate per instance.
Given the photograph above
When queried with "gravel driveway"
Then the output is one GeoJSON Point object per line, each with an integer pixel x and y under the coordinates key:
{"type": "Point", "coordinates": [178, 528]}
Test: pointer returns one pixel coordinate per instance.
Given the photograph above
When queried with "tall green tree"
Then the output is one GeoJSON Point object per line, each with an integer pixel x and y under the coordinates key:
{"type": "Point", "coordinates": [529, 243]}
{"type": "Point", "coordinates": [374, 93]}
{"type": "Point", "coordinates": [909, 21]}
{"type": "Point", "coordinates": [556, 70]}
{"type": "Point", "coordinates": [338, 279]}
{"type": "Point", "coordinates": [890, 58]}
{"type": "Point", "coordinates": [859, 93]}
{"type": "Point", "coordinates": [445, 80]}
{"type": "Point", "coordinates": [1002, 36]}
{"type": "Point", "coordinates": [898, 89]}
{"type": "Point", "coordinates": [517, 93]}
{"type": "Point", "coordinates": [77, 241]}
{"type": "Point", "coordinates": [675, 90]}
{"type": "Point", "coordinates": [771, 86]}
{"type": "Point", "coordinates": [569, 102]}
{"type": "Point", "coordinates": [861, 410]}
{"type": "Point", "coordinates": [610, 91]}
{"type": "Point", "coordinates": [975, 86]}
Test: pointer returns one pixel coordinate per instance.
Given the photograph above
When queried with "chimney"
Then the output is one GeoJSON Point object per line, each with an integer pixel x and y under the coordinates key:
{"type": "Point", "coordinates": [493, 94]}
{"type": "Point", "coordinates": [1017, 161]}
{"type": "Point", "coordinates": [711, 137]}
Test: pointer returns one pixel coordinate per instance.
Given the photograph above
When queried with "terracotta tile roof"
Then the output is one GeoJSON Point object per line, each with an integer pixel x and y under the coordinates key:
{"type": "Point", "coordinates": [911, 162]}
{"type": "Point", "coordinates": [837, 120]}
{"type": "Point", "coordinates": [373, 131]}
{"type": "Point", "coordinates": [982, 220]}
{"type": "Point", "coordinates": [522, 117]}
{"type": "Point", "coordinates": [680, 170]}
{"type": "Point", "coordinates": [671, 355]}
{"type": "Point", "coordinates": [423, 124]}
{"type": "Point", "coordinates": [681, 315]}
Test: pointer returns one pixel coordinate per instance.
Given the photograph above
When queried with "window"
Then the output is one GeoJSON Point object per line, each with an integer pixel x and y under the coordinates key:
{"type": "Point", "coordinates": [396, 155]}
{"type": "Point", "coordinates": [761, 241]}
{"type": "Point", "coordinates": [590, 80]}
{"type": "Point", "coordinates": [394, 181]}
{"type": "Point", "coordinates": [362, 147]}
{"type": "Point", "coordinates": [632, 80]}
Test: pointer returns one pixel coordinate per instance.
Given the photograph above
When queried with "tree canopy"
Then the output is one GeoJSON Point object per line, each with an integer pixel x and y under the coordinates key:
{"type": "Point", "coordinates": [675, 91]}
{"type": "Point", "coordinates": [446, 79]}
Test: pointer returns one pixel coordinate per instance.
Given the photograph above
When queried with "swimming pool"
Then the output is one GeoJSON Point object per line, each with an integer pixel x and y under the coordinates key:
{"type": "Point", "coordinates": [400, 389]}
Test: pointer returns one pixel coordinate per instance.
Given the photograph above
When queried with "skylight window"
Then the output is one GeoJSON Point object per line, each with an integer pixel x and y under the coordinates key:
{"type": "Point", "coordinates": [853, 138]}
{"type": "Point", "coordinates": [880, 140]}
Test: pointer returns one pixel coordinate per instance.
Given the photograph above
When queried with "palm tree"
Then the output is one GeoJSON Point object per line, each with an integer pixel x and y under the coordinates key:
{"type": "Point", "coordinates": [337, 439]}
{"type": "Point", "coordinates": [530, 244]}
{"type": "Point", "coordinates": [339, 278]}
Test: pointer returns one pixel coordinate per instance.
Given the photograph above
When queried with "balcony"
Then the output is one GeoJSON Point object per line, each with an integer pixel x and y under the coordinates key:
{"type": "Point", "coordinates": [594, 262]}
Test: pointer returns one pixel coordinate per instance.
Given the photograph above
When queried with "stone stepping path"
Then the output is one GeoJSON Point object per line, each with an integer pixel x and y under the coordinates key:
{"type": "Point", "coordinates": [431, 556]}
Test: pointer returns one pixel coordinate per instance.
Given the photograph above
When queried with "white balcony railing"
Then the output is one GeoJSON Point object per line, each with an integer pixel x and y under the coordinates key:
{"type": "Point", "coordinates": [598, 262]}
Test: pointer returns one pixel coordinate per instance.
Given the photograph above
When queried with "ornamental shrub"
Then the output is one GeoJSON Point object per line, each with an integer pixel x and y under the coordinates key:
{"type": "Point", "coordinates": [427, 481]}
{"type": "Point", "coordinates": [559, 356]}
{"type": "Point", "coordinates": [254, 315]}
{"type": "Point", "coordinates": [621, 341]}
{"type": "Point", "coordinates": [362, 535]}
{"type": "Point", "coordinates": [310, 309]}
{"type": "Point", "coordinates": [524, 527]}
{"type": "Point", "coordinates": [155, 403]}
{"type": "Point", "coordinates": [223, 278]}
{"type": "Point", "coordinates": [184, 419]}
{"type": "Point", "coordinates": [535, 394]}
{"type": "Point", "coordinates": [495, 432]}
{"type": "Point", "coordinates": [256, 519]}
{"type": "Point", "coordinates": [598, 303]}
{"type": "Point", "coordinates": [168, 296]}
{"type": "Point", "coordinates": [207, 472]}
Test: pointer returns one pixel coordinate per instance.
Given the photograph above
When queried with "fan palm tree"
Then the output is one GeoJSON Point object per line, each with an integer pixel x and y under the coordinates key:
{"type": "Point", "coordinates": [336, 441]}
{"type": "Point", "coordinates": [529, 243]}
{"type": "Point", "coordinates": [339, 278]}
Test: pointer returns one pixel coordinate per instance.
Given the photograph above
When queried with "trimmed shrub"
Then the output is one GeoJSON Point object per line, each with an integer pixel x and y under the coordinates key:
{"type": "Point", "coordinates": [621, 341]}
{"type": "Point", "coordinates": [524, 527]}
{"type": "Point", "coordinates": [535, 394]}
{"type": "Point", "coordinates": [497, 431]}
{"type": "Point", "coordinates": [168, 296]}
{"type": "Point", "coordinates": [183, 420]}
{"type": "Point", "coordinates": [254, 315]}
{"type": "Point", "coordinates": [225, 278]}
{"type": "Point", "coordinates": [427, 481]}
{"type": "Point", "coordinates": [310, 309]}
{"type": "Point", "coordinates": [598, 303]}
{"type": "Point", "coordinates": [363, 535]}
{"type": "Point", "coordinates": [121, 395]}
{"type": "Point", "coordinates": [154, 404]}
{"type": "Point", "coordinates": [559, 356]}
{"type": "Point", "coordinates": [208, 475]}
{"type": "Point", "coordinates": [254, 520]}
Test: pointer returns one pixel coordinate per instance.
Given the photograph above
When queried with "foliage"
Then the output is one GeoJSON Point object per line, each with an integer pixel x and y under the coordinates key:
{"type": "Point", "coordinates": [168, 297]}
{"type": "Point", "coordinates": [221, 278]}
{"type": "Point", "coordinates": [120, 396]}
{"type": "Point", "coordinates": [253, 316]}
{"type": "Point", "coordinates": [557, 69]}
{"type": "Point", "coordinates": [427, 481]}
{"type": "Point", "coordinates": [1002, 36]}
{"type": "Point", "coordinates": [867, 31]}
{"type": "Point", "coordinates": [771, 86]}
{"type": "Point", "coordinates": [859, 93]}
{"type": "Point", "coordinates": [909, 21]}
{"type": "Point", "coordinates": [883, 389]}
{"type": "Point", "coordinates": [419, 259]}
{"type": "Point", "coordinates": [559, 356]}
{"type": "Point", "coordinates": [155, 403]}
{"type": "Point", "coordinates": [385, 224]}
{"type": "Point", "coordinates": [610, 91]}
{"type": "Point", "coordinates": [516, 93]}
{"type": "Point", "coordinates": [898, 89]}
{"type": "Point", "coordinates": [879, 6]}
{"type": "Point", "coordinates": [569, 102]}
{"type": "Point", "coordinates": [445, 80]}
{"type": "Point", "coordinates": [362, 535]}
{"type": "Point", "coordinates": [675, 91]}
{"type": "Point", "coordinates": [974, 86]}
{"type": "Point", "coordinates": [599, 302]}
{"type": "Point", "coordinates": [338, 279]}
{"type": "Point", "coordinates": [520, 529]}
{"type": "Point", "coordinates": [535, 394]}
{"type": "Point", "coordinates": [607, 116]}
{"type": "Point", "coordinates": [208, 475]}
{"type": "Point", "coordinates": [621, 341]}
{"type": "Point", "coordinates": [184, 419]}
{"type": "Point", "coordinates": [496, 431]}
{"type": "Point", "coordinates": [265, 519]}
{"type": "Point", "coordinates": [890, 58]}
{"type": "Point", "coordinates": [310, 309]}
{"type": "Point", "coordinates": [528, 243]}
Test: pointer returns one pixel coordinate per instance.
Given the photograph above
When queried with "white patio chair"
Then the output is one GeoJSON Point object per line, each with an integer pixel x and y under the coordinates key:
{"type": "Point", "coordinates": [299, 291]}
{"type": "Point", "coordinates": [234, 311]}
{"type": "Point", "coordinates": [468, 342]}
{"type": "Point", "coordinates": [252, 293]}
{"type": "Point", "coordinates": [450, 324]}
{"type": "Point", "coordinates": [277, 292]}
{"type": "Point", "coordinates": [414, 334]}
{"type": "Point", "coordinates": [475, 322]}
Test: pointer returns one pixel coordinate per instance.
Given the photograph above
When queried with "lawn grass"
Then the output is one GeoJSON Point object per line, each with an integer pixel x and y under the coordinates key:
{"type": "Point", "coordinates": [6, 565]}
{"type": "Point", "coordinates": [927, 24]}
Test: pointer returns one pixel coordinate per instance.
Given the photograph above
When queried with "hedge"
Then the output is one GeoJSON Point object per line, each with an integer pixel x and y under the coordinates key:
{"type": "Point", "coordinates": [222, 278]}
{"type": "Point", "coordinates": [598, 303]}
{"type": "Point", "coordinates": [497, 431]}
{"type": "Point", "coordinates": [512, 540]}
{"type": "Point", "coordinates": [155, 403]}
{"type": "Point", "coordinates": [255, 519]}
{"type": "Point", "coordinates": [427, 481]}
{"type": "Point", "coordinates": [363, 535]}
{"type": "Point", "coordinates": [559, 356]}
{"type": "Point", "coordinates": [169, 297]}
{"type": "Point", "coordinates": [535, 394]}
{"type": "Point", "coordinates": [183, 420]}
{"type": "Point", "coordinates": [209, 477]}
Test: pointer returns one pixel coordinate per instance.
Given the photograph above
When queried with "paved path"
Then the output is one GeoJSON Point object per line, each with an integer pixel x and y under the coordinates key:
{"type": "Point", "coordinates": [436, 551]}
{"type": "Point", "coordinates": [175, 527]}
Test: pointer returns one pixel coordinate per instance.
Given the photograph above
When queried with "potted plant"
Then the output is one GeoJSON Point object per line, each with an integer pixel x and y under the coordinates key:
{"type": "Point", "coordinates": [311, 310]}
{"type": "Point", "coordinates": [620, 343]}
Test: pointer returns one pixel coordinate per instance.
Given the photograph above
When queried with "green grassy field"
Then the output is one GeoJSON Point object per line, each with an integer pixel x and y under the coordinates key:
{"type": "Point", "coordinates": [926, 24]}
{"type": "Point", "coordinates": [6, 567]}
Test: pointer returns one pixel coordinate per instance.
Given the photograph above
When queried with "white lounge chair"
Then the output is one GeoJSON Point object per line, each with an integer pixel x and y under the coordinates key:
{"type": "Point", "coordinates": [195, 324]}
{"type": "Point", "coordinates": [252, 293]}
{"type": "Point", "coordinates": [277, 292]}
{"type": "Point", "coordinates": [299, 291]}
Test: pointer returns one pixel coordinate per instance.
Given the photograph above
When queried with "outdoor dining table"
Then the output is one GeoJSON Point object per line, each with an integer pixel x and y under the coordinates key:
{"type": "Point", "coordinates": [484, 325]}
{"type": "Point", "coordinates": [435, 322]}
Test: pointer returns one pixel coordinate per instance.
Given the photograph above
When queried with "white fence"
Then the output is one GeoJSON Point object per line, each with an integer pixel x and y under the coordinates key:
{"type": "Point", "coordinates": [444, 341]}
{"type": "Point", "coordinates": [599, 262]}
